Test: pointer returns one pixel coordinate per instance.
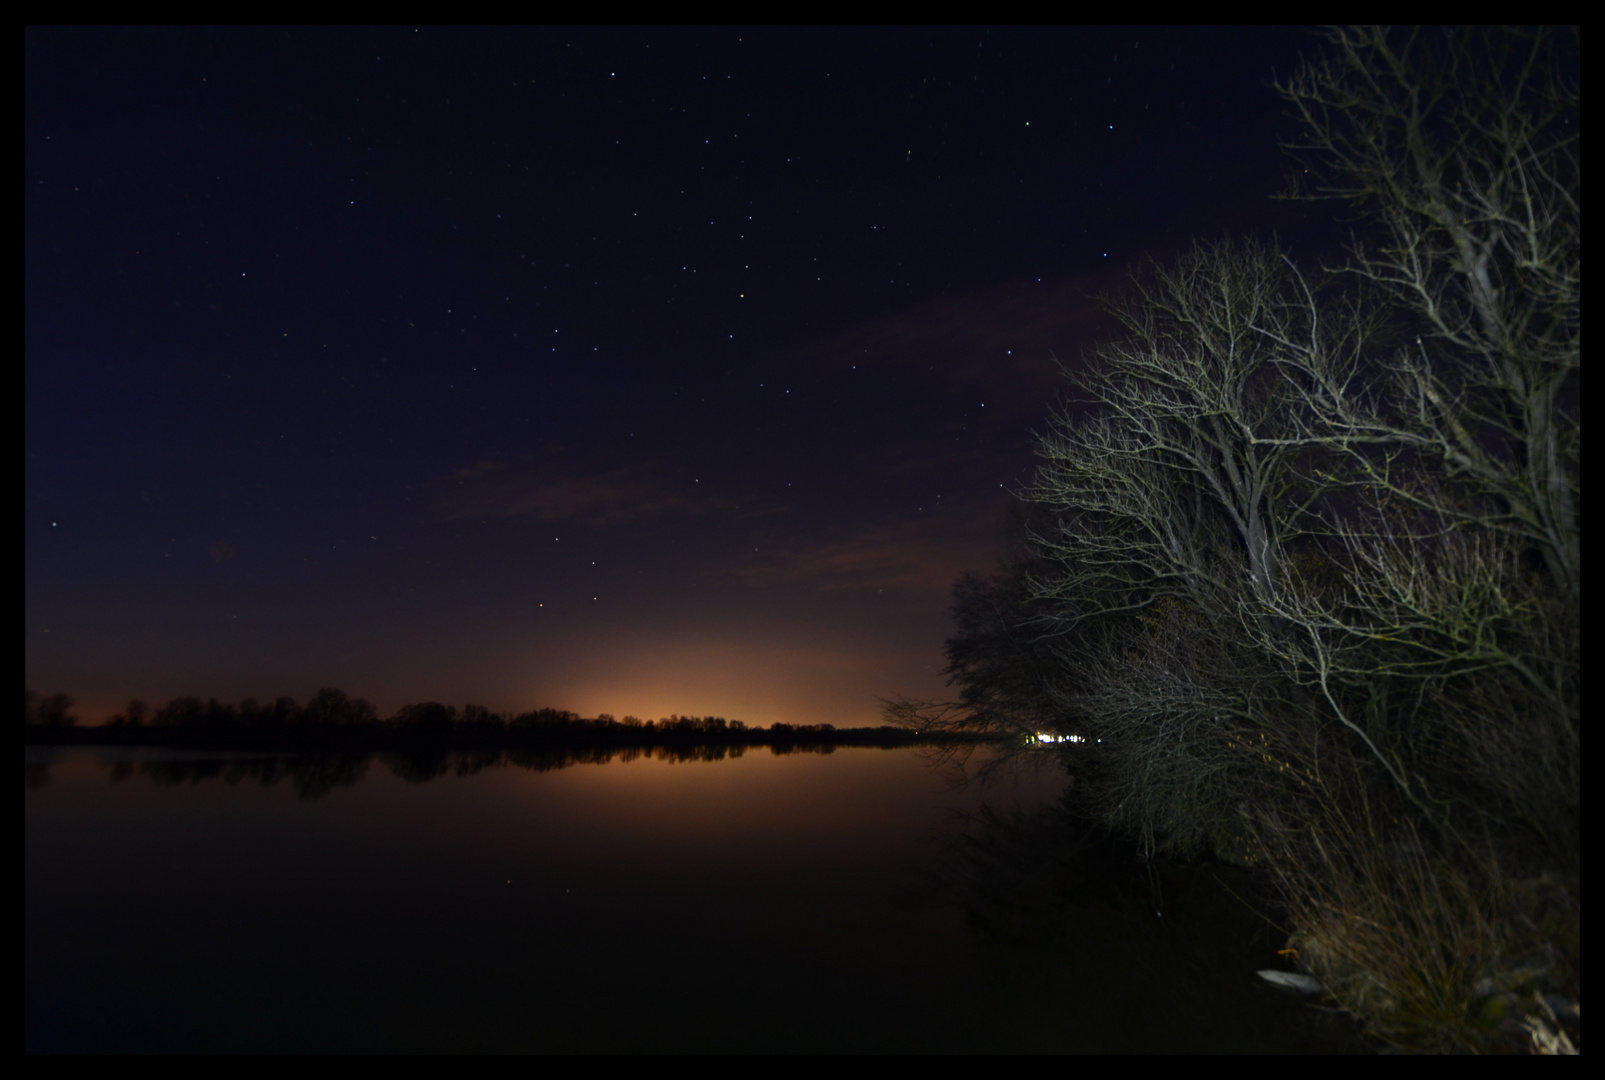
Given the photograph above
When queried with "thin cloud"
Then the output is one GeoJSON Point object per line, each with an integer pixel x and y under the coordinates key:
{"type": "Point", "coordinates": [922, 554]}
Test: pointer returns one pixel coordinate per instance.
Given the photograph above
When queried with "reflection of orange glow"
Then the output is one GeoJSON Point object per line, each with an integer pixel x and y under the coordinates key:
{"type": "Point", "coordinates": [771, 808]}
{"type": "Point", "coordinates": [777, 794]}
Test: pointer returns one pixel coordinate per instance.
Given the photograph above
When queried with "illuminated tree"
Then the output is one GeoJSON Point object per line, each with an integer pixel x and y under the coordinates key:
{"type": "Point", "coordinates": [1297, 521]}
{"type": "Point", "coordinates": [1460, 450]}
{"type": "Point", "coordinates": [1306, 559]}
{"type": "Point", "coordinates": [1460, 150]}
{"type": "Point", "coordinates": [1179, 489]}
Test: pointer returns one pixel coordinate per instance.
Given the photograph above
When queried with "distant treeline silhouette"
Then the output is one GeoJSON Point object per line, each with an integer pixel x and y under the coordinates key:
{"type": "Point", "coordinates": [334, 719]}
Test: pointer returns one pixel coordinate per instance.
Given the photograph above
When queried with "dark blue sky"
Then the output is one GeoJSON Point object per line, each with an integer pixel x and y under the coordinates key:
{"type": "Point", "coordinates": [637, 371]}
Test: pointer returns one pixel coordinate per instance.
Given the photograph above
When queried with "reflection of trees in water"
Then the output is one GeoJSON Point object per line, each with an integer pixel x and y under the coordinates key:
{"type": "Point", "coordinates": [694, 752]}
{"type": "Point", "coordinates": [1143, 954]}
{"type": "Point", "coordinates": [319, 776]}
{"type": "Point", "coordinates": [312, 776]}
{"type": "Point", "coordinates": [315, 775]}
{"type": "Point", "coordinates": [177, 773]}
{"type": "Point", "coordinates": [469, 762]}
{"type": "Point", "coordinates": [417, 766]}
{"type": "Point", "coordinates": [802, 748]}
{"type": "Point", "coordinates": [547, 760]}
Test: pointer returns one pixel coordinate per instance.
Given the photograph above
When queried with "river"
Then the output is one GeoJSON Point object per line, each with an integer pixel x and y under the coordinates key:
{"type": "Point", "coordinates": [754, 902]}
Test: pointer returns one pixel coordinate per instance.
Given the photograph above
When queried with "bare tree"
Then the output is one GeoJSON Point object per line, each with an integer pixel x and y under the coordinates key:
{"type": "Point", "coordinates": [1181, 498]}
{"type": "Point", "coordinates": [1460, 452]}
{"type": "Point", "coordinates": [1456, 666]}
{"type": "Point", "coordinates": [1287, 525]}
{"type": "Point", "coordinates": [1182, 481]}
{"type": "Point", "coordinates": [1461, 147]}
{"type": "Point", "coordinates": [1305, 562]}
{"type": "Point", "coordinates": [51, 711]}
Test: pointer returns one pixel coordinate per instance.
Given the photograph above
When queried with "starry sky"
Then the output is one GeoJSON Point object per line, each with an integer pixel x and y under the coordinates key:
{"type": "Point", "coordinates": [630, 371]}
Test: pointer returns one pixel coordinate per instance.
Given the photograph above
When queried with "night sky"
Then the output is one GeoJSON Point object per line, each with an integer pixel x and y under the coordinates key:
{"type": "Point", "coordinates": [629, 371]}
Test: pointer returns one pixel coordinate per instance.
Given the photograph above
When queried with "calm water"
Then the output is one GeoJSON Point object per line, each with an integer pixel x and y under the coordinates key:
{"type": "Point", "coordinates": [768, 903]}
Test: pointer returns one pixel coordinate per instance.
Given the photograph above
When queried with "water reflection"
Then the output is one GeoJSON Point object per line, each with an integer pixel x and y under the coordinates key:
{"type": "Point", "coordinates": [1050, 897]}
{"type": "Point", "coordinates": [779, 903]}
{"type": "Point", "coordinates": [316, 775]}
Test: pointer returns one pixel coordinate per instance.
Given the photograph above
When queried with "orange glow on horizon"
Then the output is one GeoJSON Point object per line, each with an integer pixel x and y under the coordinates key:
{"type": "Point", "coordinates": [756, 684]}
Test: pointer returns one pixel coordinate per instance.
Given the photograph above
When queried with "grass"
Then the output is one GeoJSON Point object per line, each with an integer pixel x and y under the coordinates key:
{"type": "Point", "coordinates": [1433, 953]}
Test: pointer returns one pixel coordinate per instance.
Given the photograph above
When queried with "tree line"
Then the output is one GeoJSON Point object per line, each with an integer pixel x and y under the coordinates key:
{"type": "Point", "coordinates": [333, 707]}
{"type": "Point", "coordinates": [334, 712]}
{"type": "Point", "coordinates": [1297, 580]}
